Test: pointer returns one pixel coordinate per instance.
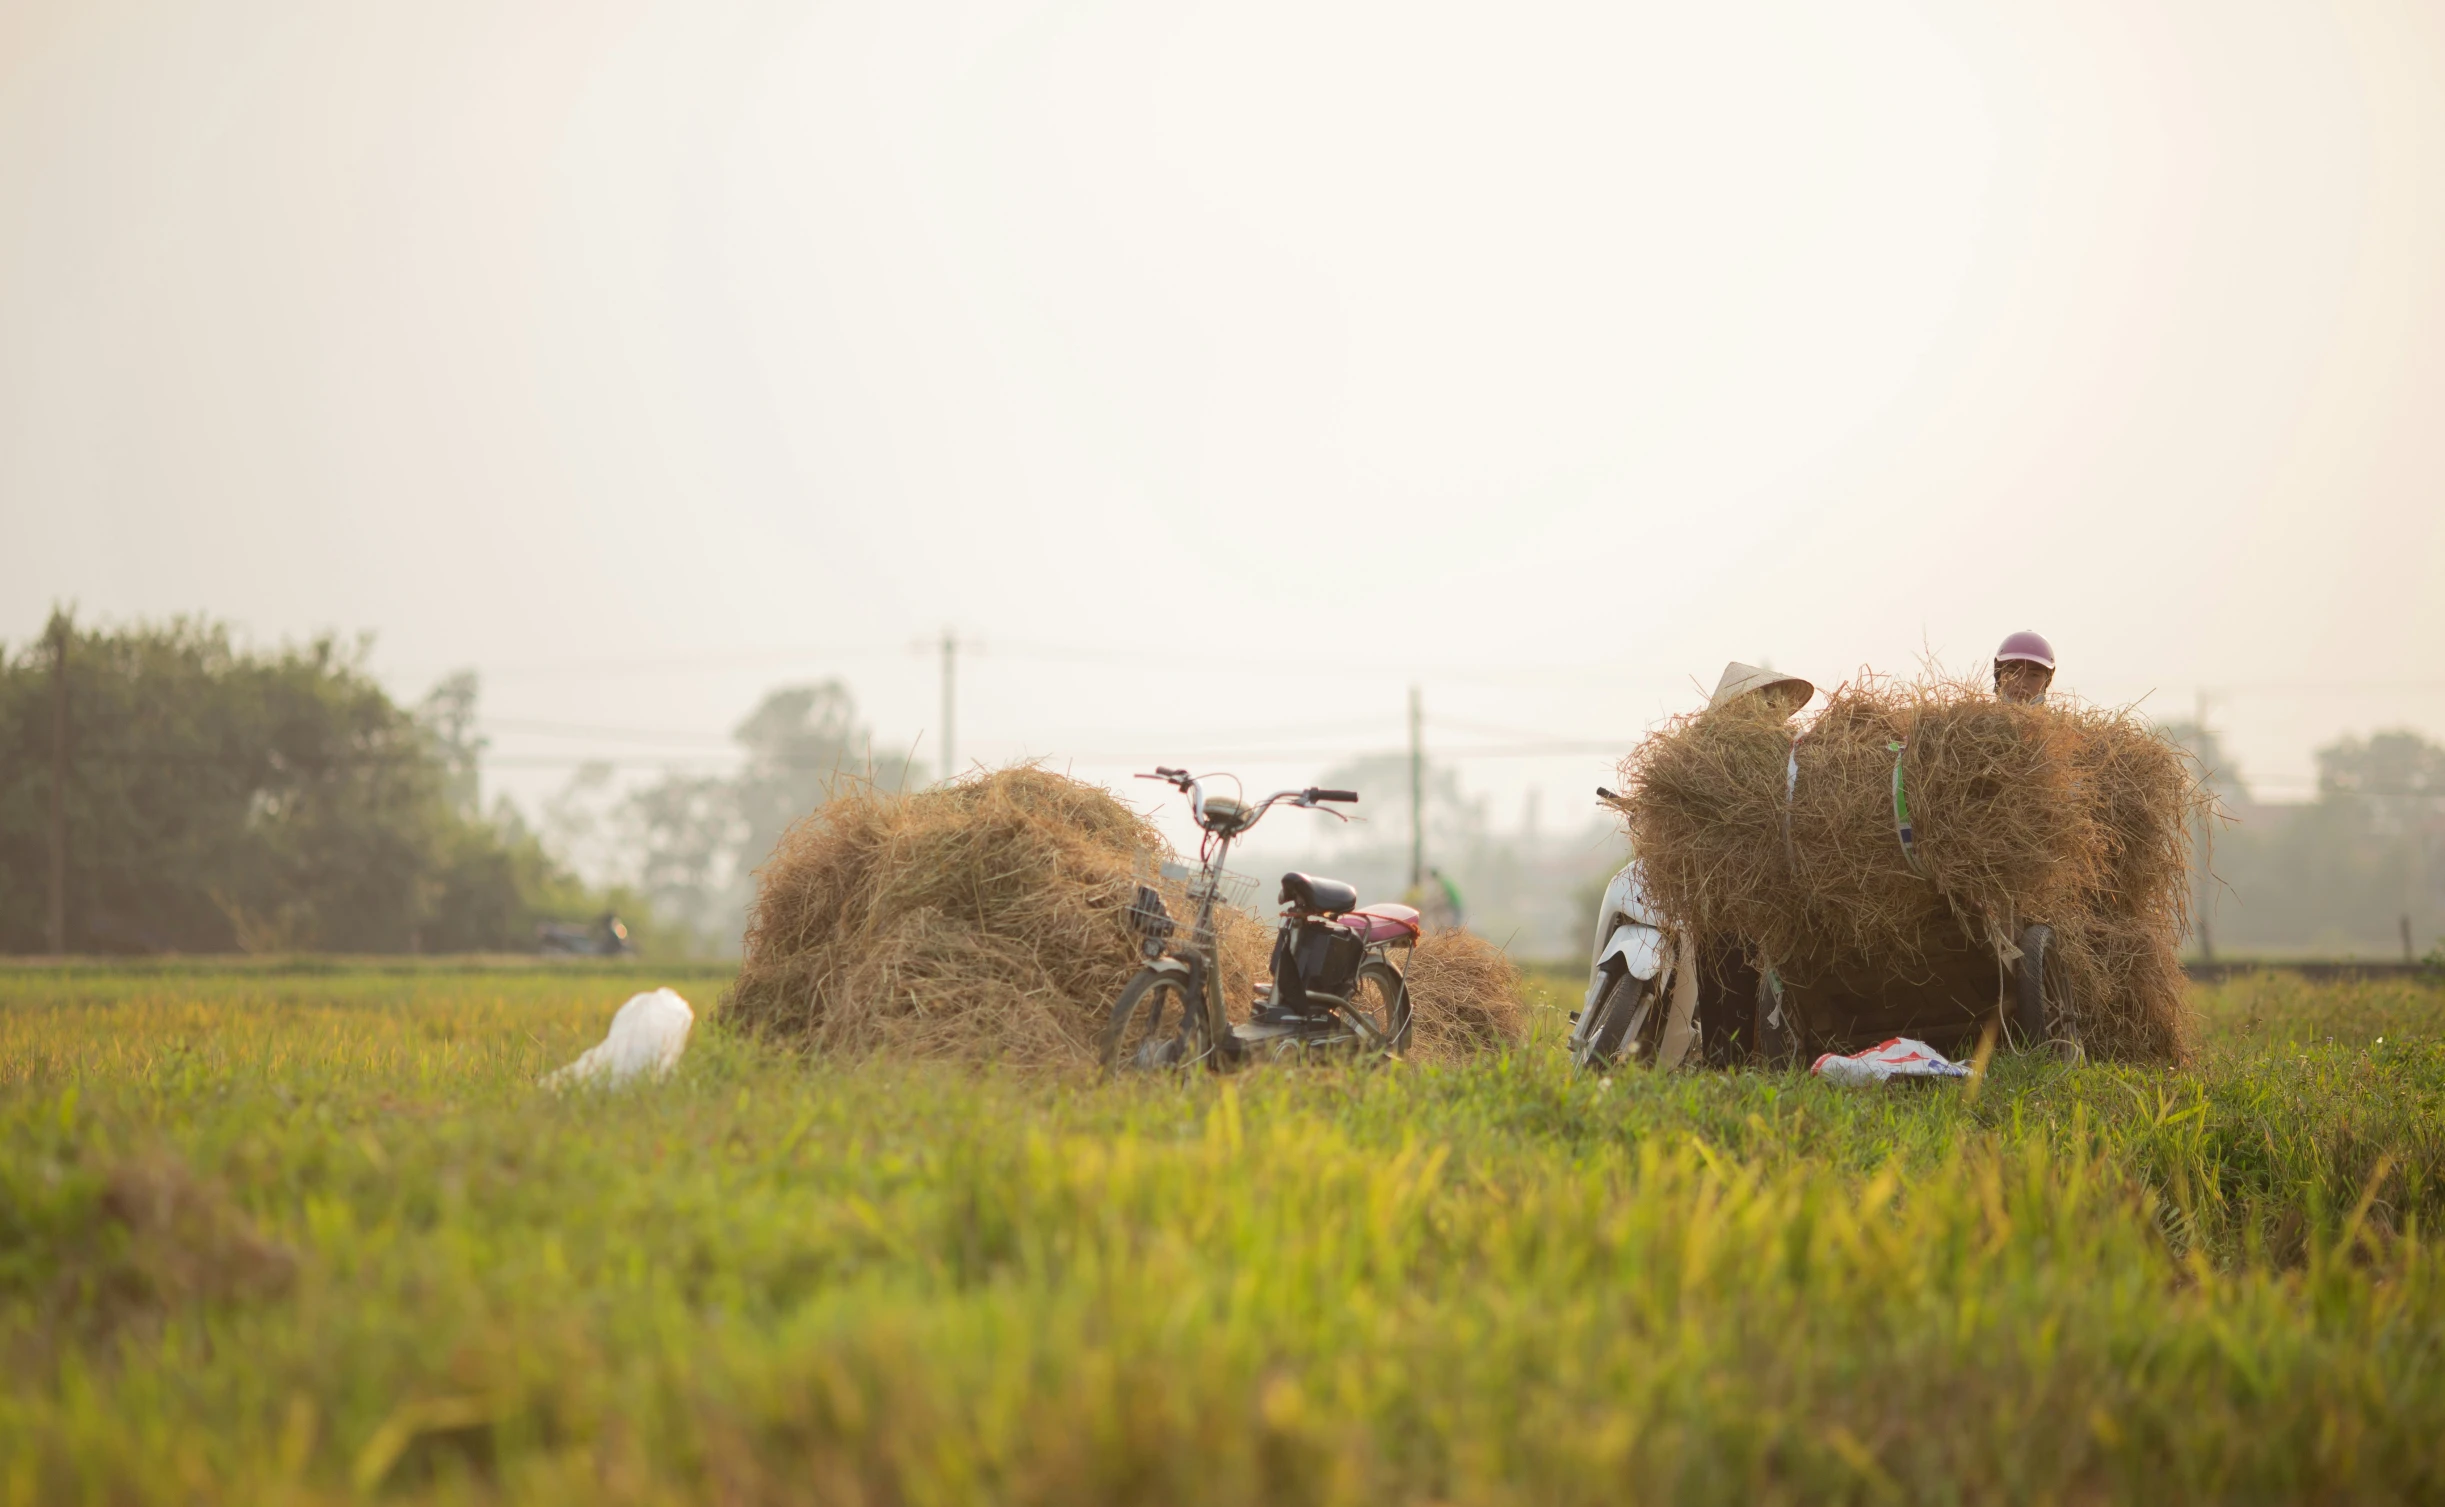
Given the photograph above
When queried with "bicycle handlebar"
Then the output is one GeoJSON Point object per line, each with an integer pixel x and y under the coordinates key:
{"type": "Point", "coordinates": [1190, 786]}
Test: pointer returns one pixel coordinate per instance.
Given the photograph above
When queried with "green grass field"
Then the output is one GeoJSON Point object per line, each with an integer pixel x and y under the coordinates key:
{"type": "Point", "coordinates": [313, 1234]}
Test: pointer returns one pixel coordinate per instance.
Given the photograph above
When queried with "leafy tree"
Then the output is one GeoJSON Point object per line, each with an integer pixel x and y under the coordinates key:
{"type": "Point", "coordinates": [221, 799]}
{"type": "Point", "coordinates": [2390, 783]}
{"type": "Point", "coordinates": [447, 716]}
{"type": "Point", "coordinates": [687, 840]}
{"type": "Point", "coordinates": [799, 740]}
{"type": "Point", "coordinates": [2342, 872]}
{"type": "Point", "coordinates": [694, 841]}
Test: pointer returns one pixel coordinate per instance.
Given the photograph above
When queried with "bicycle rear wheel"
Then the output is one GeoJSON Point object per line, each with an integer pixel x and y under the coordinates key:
{"type": "Point", "coordinates": [1381, 998]}
{"type": "Point", "coordinates": [1154, 1023]}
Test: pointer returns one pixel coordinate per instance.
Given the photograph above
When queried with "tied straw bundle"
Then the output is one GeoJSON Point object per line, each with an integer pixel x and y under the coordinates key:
{"type": "Point", "coordinates": [986, 920]}
{"type": "Point", "coordinates": [1908, 813]}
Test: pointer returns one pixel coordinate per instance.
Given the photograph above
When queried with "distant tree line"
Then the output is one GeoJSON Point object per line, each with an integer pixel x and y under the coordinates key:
{"type": "Point", "coordinates": [219, 798]}
{"type": "Point", "coordinates": [689, 844]}
{"type": "Point", "coordinates": [2343, 873]}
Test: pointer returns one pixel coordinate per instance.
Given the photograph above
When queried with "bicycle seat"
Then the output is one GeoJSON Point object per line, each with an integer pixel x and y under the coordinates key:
{"type": "Point", "coordinates": [1322, 897]}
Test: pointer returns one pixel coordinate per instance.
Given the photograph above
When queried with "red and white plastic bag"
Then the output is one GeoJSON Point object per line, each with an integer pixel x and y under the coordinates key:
{"type": "Point", "coordinates": [1900, 1057]}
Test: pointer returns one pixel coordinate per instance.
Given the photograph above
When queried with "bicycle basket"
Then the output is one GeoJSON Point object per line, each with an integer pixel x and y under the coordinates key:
{"type": "Point", "coordinates": [1181, 882]}
{"type": "Point", "coordinates": [1235, 890]}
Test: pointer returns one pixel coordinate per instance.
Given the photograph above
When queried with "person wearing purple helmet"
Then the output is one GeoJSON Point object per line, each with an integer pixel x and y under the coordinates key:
{"type": "Point", "coordinates": [2024, 668]}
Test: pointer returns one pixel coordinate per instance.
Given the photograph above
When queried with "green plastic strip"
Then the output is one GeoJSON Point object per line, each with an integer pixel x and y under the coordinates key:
{"type": "Point", "coordinates": [1901, 815]}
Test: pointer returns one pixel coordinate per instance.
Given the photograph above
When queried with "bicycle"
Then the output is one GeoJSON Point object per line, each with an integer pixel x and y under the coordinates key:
{"type": "Point", "coordinates": [1333, 988]}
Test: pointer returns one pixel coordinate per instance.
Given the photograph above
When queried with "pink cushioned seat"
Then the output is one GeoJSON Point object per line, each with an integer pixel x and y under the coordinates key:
{"type": "Point", "coordinates": [1382, 923]}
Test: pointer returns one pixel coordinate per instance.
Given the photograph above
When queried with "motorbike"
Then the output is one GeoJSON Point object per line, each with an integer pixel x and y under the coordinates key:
{"type": "Point", "coordinates": [1629, 983]}
{"type": "Point", "coordinates": [606, 938]}
{"type": "Point", "coordinates": [1333, 986]}
{"type": "Point", "coordinates": [1633, 977]}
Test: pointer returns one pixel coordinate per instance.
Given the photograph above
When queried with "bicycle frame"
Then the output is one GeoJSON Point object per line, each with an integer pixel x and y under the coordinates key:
{"type": "Point", "coordinates": [1228, 821]}
{"type": "Point", "coordinates": [1207, 965]}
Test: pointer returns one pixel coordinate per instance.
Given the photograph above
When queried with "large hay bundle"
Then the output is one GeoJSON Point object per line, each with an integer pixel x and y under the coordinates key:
{"type": "Point", "coordinates": [978, 921]}
{"type": "Point", "coordinates": [984, 921]}
{"type": "Point", "coordinates": [1464, 998]}
{"type": "Point", "coordinates": [1787, 838]}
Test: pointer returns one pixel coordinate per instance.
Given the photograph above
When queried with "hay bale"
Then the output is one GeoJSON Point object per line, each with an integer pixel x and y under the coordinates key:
{"type": "Point", "coordinates": [2125, 976]}
{"type": "Point", "coordinates": [1465, 997]}
{"type": "Point", "coordinates": [2061, 813]}
{"type": "Point", "coordinates": [979, 921]}
{"type": "Point", "coordinates": [2147, 800]}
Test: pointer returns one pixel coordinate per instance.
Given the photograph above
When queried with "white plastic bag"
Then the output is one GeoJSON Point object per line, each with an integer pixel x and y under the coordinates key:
{"type": "Point", "coordinates": [645, 1039]}
{"type": "Point", "coordinates": [1900, 1057]}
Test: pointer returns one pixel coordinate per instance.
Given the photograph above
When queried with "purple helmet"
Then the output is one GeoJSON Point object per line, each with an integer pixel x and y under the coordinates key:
{"type": "Point", "coordinates": [2029, 646]}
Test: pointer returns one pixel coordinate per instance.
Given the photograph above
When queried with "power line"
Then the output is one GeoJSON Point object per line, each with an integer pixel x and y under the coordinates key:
{"type": "Point", "coordinates": [1272, 661]}
{"type": "Point", "coordinates": [782, 656]}
{"type": "Point", "coordinates": [1254, 661]}
{"type": "Point", "coordinates": [608, 734]}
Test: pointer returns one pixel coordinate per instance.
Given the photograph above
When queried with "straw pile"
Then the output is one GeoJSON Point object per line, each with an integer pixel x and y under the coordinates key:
{"type": "Point", "coordinates": [1464, 998]}
{"type": "Point", "coordinates": [980, 921]}
{"type": "Point", "coordinates": [2065, 814]}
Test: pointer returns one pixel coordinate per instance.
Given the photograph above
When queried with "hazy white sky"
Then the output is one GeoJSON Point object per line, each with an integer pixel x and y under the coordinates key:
{"type": "Point", "coordinates": [1226, 368]}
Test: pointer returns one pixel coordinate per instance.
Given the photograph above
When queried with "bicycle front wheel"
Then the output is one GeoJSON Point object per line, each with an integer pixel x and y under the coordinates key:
{"type": "Point", "coordinates": [1154, 1022]}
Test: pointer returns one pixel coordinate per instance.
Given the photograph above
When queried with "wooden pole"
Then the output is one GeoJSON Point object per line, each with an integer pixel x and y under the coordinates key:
{"type": "Point", "coordinates": [57, 922]}
{"type": "Point", "coordinates": [2205, 850]}
{"type": "Point", "coordinates": [950, 678]}
{"type": "Point", "coordinates": [1417, 792]}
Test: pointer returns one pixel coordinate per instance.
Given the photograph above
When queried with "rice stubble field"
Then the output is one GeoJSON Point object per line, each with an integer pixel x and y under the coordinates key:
{"type": "Point", "coordinates": [303, 1235]}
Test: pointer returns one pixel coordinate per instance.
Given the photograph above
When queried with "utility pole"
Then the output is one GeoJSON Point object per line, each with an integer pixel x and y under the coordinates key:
{"type": "Point", "coordinates": [57, 928]}
{"type": "Point", "coordinates": [1417, 791]}
{"type": "Point", "coordinates": [948, 646]}
{"type": "Point", "coordinates": [950, 684]}
{"type": "Point", "coordinates": [2206, 845]}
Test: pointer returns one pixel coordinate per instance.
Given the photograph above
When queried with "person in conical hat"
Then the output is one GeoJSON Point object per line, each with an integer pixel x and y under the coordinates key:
{"type": "Point", "coordinates": [1786, 692]}
{"type": "Point", "coordinates": [1715, 1002]}
{"type": "Point", "coordinates": [1719, 1007]}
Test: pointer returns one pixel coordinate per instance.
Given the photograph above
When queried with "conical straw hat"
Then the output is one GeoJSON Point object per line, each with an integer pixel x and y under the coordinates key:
{"type": "Point", "coordinates": [1739, 680]}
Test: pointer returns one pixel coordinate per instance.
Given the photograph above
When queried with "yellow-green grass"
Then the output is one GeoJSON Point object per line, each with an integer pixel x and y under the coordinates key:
{"type": "Point", "coordinates": [286, 1235]}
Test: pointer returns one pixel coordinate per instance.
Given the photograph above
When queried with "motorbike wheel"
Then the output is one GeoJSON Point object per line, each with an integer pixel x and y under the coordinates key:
{"type": "Point", "coordinates": [1625, 1015]}
{"type": "Point", "coordinates": [1382, 996]}
{"type": "Point", "coordinates": [1154, 1023]}
{"type": "Point", "coordinates": [2029, 986]}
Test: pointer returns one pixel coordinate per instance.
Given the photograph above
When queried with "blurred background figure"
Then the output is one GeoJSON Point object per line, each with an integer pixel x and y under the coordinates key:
{"type": "Point", "coordinates": [1438, 902]}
